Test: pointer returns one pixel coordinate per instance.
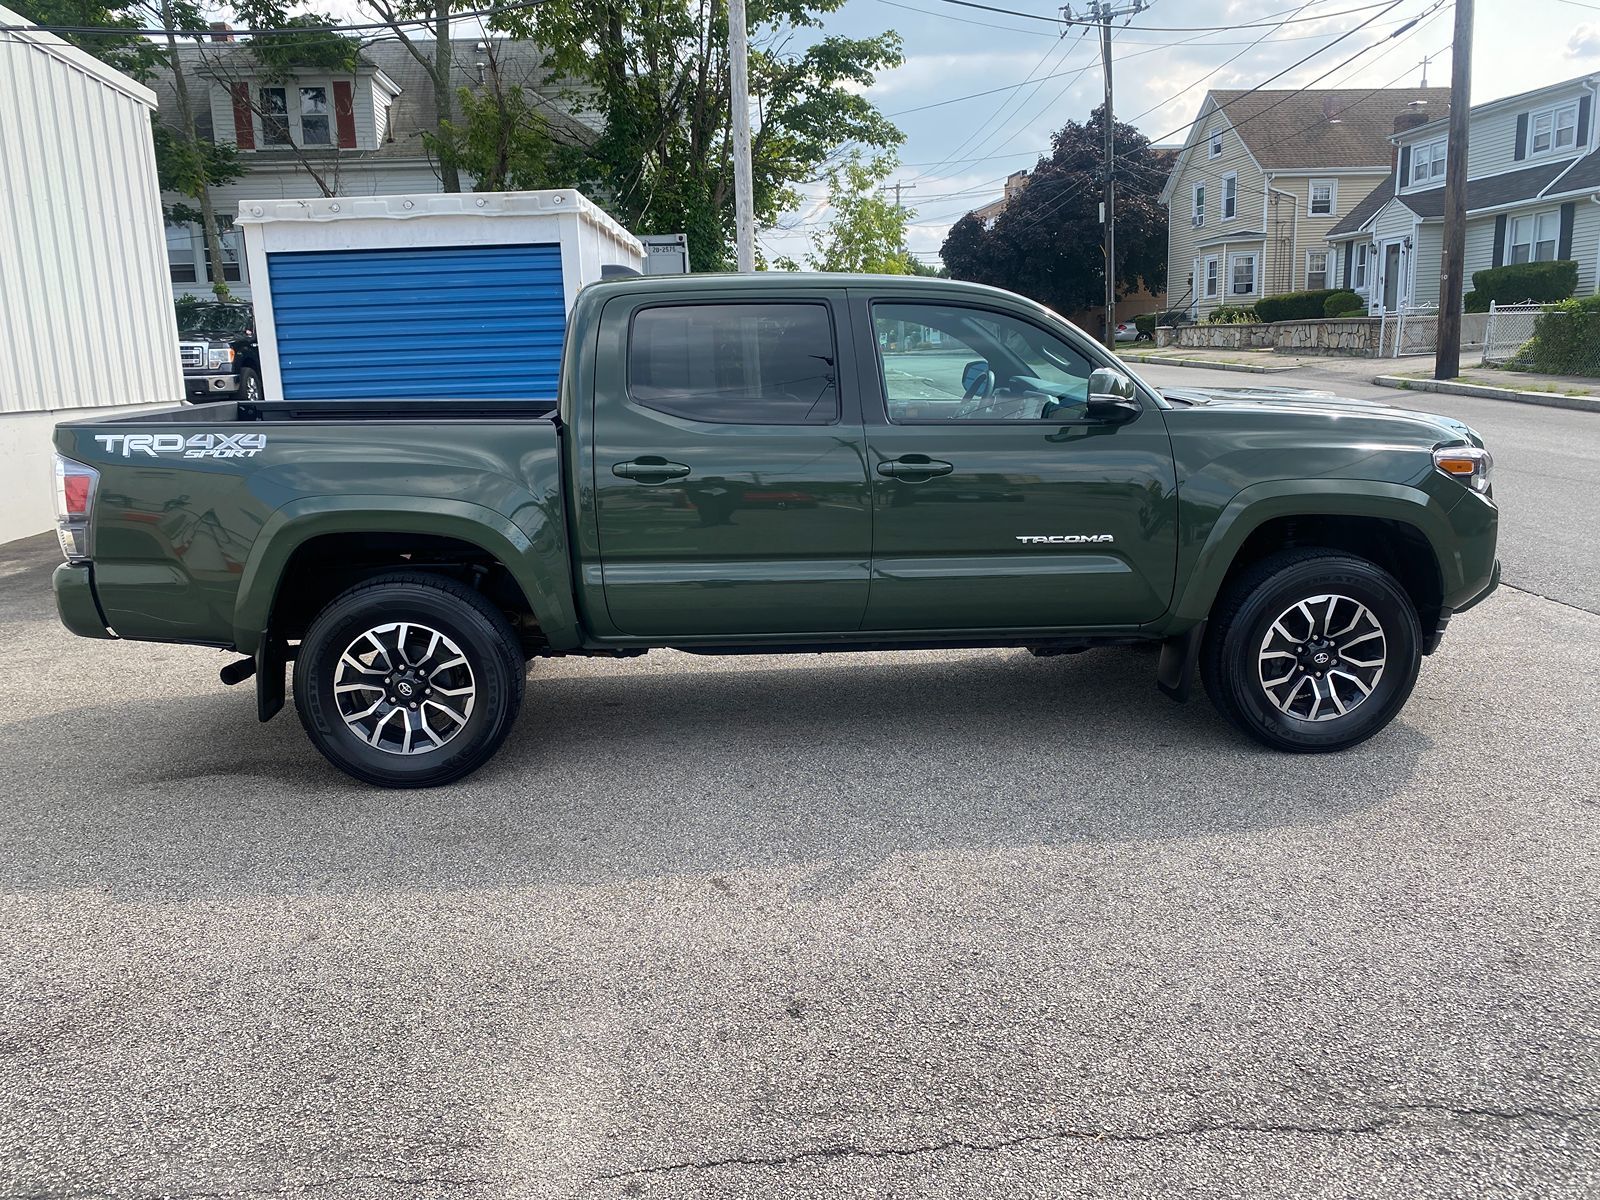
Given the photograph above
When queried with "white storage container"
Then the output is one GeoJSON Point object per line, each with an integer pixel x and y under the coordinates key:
{"type": "Point", "coordinates": [86, 320]}
{"type": "Point", "coordinates": [444, 296]}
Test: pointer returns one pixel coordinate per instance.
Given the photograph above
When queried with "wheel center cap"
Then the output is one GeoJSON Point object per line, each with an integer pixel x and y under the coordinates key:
{"type": "Point", "coordinates": [405, 688]}
{"type": "Point", "coordinates": [1321, 658]}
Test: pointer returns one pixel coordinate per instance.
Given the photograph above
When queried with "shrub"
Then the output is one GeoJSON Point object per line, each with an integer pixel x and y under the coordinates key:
{"type": "Point", "coordinates": [1566, 340]}
{"type": "Point", "coordinates": [1519, 283]}
{"type": "Point", "coordinates": [1294, 306]}
{"type": "Point", "coordinates": [1475, 301]}
{"type": "Point", "coordinates": [1229, 314]}
{"type": "Point", "coordinates": [1174, 316]}
{"type": "Point", "coordinates": [1145, 323]}
{"type": "Point", "coordinates": [1343, 304]}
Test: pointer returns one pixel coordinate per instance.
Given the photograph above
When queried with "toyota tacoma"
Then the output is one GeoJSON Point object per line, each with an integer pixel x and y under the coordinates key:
{"type": "Point", "coordinates": [780, 463]}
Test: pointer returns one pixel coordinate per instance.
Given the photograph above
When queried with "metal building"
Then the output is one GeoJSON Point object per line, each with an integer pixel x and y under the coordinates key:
{"type": "Point", "coordinates": [425, 295]}
{"type": "Point", "coordinates": [86, 318]}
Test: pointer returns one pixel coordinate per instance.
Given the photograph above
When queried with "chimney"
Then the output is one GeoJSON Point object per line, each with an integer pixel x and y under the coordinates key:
{"type": "Point", "coordinates": [1413, 115]}
{"type": "Point", "coordinates": [221, 31]}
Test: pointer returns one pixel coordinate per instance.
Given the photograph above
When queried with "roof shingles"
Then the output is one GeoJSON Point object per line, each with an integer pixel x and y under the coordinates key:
{"type": "Point", "coordinates": [1289, 130]}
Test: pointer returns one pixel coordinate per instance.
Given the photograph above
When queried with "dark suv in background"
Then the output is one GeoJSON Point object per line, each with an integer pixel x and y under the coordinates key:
{"type": "Point", "coordinates": [217, 345]}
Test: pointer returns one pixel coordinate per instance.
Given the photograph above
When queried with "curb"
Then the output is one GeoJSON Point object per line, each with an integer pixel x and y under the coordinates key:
{"type": "Point", "coordinates": [1542, 399]}
{"type": "Point", "coordinates": [1203, 364]}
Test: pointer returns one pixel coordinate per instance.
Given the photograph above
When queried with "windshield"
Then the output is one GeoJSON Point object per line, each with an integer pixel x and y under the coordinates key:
{"type": "Point", "coordinates": [215, 318]}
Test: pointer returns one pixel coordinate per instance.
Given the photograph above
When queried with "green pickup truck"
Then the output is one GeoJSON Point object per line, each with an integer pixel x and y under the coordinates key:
{"type": "Point", "coordinates": [774, 463]}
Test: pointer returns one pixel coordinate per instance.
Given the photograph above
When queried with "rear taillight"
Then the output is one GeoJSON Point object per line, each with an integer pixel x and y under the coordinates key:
{"type": "Point", "coordinates": [75, 487]}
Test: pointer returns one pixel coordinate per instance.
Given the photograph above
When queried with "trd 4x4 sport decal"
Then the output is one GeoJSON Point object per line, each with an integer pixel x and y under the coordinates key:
{"type": "Point", "coordinates": [195, 445]}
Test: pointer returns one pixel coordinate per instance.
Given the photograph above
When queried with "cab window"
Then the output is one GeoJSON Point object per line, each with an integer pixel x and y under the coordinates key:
{"type": "Point", "coordinates": [945, 362]}
{"type": "Point", "coordinates": [757, 363]}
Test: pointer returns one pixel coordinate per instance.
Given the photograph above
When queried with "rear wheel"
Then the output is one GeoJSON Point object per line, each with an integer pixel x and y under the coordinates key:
{"type": "Point", "coordinates": [1311, 651]}
{"type": "Point", "coordinates": [249, 385]}
{"type": "Point", "coordinates": [409, 680]}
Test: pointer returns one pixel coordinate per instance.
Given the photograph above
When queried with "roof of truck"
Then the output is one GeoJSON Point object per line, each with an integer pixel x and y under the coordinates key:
{"type": "Point", "coordinates": [769, 281]}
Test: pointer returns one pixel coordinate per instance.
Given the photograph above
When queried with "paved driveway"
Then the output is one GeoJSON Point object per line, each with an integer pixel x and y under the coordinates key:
{"type": "Point", "coordinates": [960, 924]}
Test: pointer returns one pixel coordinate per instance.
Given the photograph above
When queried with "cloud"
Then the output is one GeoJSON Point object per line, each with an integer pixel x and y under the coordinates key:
{"type": "Point", "coordinates": [1584, 42]}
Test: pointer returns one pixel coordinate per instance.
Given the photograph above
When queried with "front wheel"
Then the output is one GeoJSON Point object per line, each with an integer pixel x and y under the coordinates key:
{"type": "Point", "coordinates": [1312, 651]}
{"type": "Point", "coordinates": [249, 385]}
{"type": "Point", "coordinates": [409, 680]}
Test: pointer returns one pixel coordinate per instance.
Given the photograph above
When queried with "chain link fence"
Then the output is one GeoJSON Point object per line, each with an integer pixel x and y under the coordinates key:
{"type": "Point", "coordinates": [1555, 339]}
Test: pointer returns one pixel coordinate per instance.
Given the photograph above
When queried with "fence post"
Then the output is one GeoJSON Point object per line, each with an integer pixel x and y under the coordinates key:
{"type": "Point", "coordinates": [1488, 336]}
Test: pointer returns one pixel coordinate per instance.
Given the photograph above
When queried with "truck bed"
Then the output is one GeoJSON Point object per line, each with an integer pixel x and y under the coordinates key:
{"type": "Point", "coordinates": [277, 411]}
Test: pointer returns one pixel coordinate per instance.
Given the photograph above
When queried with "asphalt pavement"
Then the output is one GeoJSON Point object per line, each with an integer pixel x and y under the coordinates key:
{"type": "Point", "coordinates": [965, 924]}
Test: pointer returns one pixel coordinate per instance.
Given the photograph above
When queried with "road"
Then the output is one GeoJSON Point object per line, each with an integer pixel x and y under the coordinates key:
{"type": "Point", "coordinates": [957, 924]}
{"type": "Point", "coordinates": [1547, 471]}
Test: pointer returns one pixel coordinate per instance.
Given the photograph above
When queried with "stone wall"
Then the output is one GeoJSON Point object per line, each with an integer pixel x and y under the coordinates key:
{"type": "Point", "coordinates": [1354, 336]}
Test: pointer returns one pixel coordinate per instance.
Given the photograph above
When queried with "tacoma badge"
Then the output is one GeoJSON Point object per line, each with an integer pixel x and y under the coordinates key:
{"type": "Point", "coordinates": [1064, 539]}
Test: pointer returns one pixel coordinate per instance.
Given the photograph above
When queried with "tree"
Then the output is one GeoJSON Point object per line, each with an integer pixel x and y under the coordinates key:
{"type": "Point", "coordinates": [434, 57]}
{"type": "Point", "coordinates": [868, 230]}
{"type": "Point", "coordinates": [1047, 242]}
{"type": "Point", "coordinates": [132, 55]}
{"type": "Point", "coordinates": [656, 73]}
{"type": "Point", "coordinates": [503, 137]}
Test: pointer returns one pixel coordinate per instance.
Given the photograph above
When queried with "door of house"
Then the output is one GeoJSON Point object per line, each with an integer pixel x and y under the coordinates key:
{"type": "Point", "coordinates": [1391, 277]}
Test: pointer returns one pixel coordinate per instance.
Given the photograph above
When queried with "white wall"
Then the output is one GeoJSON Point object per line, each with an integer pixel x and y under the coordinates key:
{"type": "Point", "coordinates": [85, 308]}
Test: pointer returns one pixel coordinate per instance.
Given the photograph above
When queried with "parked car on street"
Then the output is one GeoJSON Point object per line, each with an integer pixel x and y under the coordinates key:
{"type": "Point", "coordinates": [741, 464]}
{"type": "Point", "coordinates": [1127, 331]}
{"type": "Point", "coordinates": [217, 344]}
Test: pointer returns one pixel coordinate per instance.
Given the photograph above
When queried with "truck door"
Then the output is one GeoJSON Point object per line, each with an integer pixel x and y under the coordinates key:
{"type": "Point", "coordinates": [729, 466]}
{"type": "Point", "coordinates": [997, 504]}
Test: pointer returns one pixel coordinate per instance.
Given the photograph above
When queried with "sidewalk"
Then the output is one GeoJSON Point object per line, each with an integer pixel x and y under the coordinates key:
{"type": "Point", "coordinates": [1412, 371]}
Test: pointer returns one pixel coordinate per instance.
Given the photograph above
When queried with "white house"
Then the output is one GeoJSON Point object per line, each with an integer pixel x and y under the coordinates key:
{"type": "Point", "coordinates": [85, 311]}
{"type": "Point", "coordinates": [1533, 194]}
{"type": "Point", "coordinates": [317, 133]}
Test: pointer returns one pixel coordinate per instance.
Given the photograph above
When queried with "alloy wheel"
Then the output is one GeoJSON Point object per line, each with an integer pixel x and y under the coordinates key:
{"type": "Point", "coordinates": [404, 688]}
{"type": "Point", "coordinates": [1322, 658]}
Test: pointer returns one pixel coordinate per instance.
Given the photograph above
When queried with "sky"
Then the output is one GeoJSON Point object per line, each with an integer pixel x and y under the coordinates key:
{"type": "Point", "coordinates": [957, 153]}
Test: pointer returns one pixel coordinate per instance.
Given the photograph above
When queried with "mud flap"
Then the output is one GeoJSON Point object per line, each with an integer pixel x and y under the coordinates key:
{"type": "Point", "coordinates": [271, 661]}
{"type": "Point", "coordinates": [1175, 671]}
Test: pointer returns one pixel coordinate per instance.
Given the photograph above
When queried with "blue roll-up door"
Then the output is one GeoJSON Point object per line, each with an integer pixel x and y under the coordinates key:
{"type": "Point", "coordinates": [434, 321]}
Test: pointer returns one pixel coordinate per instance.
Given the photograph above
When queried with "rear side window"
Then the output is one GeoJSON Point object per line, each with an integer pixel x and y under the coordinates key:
{"type": "Point", "coordinates": [762, 364]}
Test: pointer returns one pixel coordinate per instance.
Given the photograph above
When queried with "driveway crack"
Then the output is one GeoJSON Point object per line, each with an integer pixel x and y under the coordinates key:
{"type": "Point", "coordinates": [1378, 1124]}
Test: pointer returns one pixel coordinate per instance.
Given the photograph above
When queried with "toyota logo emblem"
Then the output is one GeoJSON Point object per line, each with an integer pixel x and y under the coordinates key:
{"type": "Point", "coordinates": [403, 688]}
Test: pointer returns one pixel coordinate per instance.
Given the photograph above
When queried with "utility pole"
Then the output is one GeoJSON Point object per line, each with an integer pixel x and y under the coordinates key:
{"type": "Point", "coordinates": [910, 187]}
{"type": "Point", "coordinates": [1102, 13]}
{"type": "Point", "coordinates": [1447, 359]}
{"type": "Point", "coordinates": [744, 231]}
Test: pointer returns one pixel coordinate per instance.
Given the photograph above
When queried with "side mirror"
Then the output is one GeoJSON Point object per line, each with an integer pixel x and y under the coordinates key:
{"type": "Point", "coordinates": [1112, 396]}
{"type": "Point", "coordinates": [972, 372]}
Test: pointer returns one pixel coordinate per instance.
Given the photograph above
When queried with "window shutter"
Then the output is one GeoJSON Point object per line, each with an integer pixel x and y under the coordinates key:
{"type": "Point", "coordinates": [1522, 136]}
{"type": "Point", "coordinates": [344, 112]}
{"type": "Point", "coordinates": [1569, 210]}
{"type": "Point", "coordinates": [1583, 122]}
{"type": "Point", "coordinates": [1405, 165]}
{"type": "Point", "coordinates": [1349, 262]}
{"type": "Point", "coordinates": [1500, 241]}
{"type": "Point", "coordinates": [244, 126]}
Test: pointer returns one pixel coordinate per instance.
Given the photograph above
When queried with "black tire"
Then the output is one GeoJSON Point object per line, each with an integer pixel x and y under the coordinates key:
{"type": "Point", "coordinates": [479, 631]}
{"type": "Point", "coordinates": [1235, 670]}
{"type": "Point", "coordinates": [249, 385]}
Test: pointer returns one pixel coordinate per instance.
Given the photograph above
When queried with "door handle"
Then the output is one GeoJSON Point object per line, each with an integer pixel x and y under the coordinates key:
{"type": "Point", "coordinates": [914, 468]}
{"type": "Point", "coordinates": [649, 470]}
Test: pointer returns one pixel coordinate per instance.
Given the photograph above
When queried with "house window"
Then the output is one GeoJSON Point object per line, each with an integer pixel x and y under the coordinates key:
{"type": "Point", "coordinates": [1211, 278]}
{"type": "Point", "coordinates": [1230, 196]}
{"type": "Point", "coordinates": [1216, 143]}
{"type": "Point", "coordinates": [1323, 192]}
{"type": "Point", "coordinates": [1242, 270]}
{"type": "Point", "coordinates": [1427, 161]}
{"type": "Point", "coordinates": [180, 253]}
{"type": "Point", "coordinates": [1316, 270]}
{"type": "Point", "coordinates": [1532, 238]}
{"type": "Point", "coordinates": [231, 239]}
{"type": "Point", "coordinates": [1358, 279]}
{"type": "Point", "coordinates": [1553, 129]}
{"type": "Point", "coordinates": [275, 116]}
{"type": "Point", "coordinates": [1199, 217]}
{"type": "Point", "coordinates": [314, 117]}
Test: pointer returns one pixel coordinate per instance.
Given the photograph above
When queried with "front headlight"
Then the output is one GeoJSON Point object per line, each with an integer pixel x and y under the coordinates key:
{"type": "Point", "coordinates": [220, 357]}
{"type": "Point", "coordinates": [1470, 464]}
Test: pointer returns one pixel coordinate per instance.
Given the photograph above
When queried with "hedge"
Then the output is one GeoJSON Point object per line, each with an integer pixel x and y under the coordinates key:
{"type": "Point", "coordinates": [1294, 306]}
{"type": "Point", "coordinates": [1342, 304]}
{"type": "Point", "coordinates": [1566, 340]}
{"type": "Point", "coordinates": [1520, 283]}
{"type": "Point", "coordinates": [1230, 314]}
{"type": "Point", "coordinates": [1145, 323]}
